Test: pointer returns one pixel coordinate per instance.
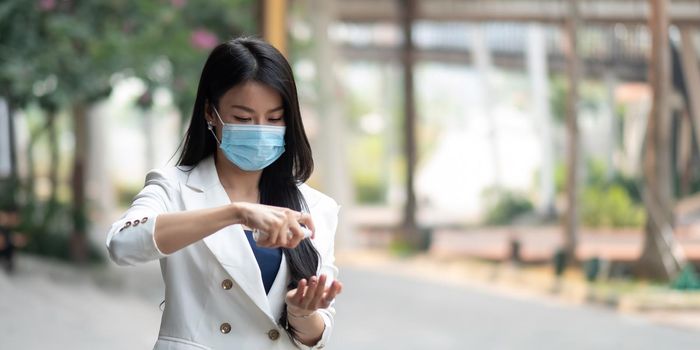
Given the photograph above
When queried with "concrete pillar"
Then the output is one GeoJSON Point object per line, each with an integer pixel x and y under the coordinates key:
{"type": "Point", "coordinates": [542, 115]}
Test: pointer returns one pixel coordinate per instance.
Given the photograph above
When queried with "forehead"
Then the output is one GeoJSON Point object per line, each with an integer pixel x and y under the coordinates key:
{"type": "Point", "coordinates": [253, 94]}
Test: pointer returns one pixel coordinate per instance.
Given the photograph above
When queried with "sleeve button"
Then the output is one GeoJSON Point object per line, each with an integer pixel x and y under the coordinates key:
{"type": "Point", "coordinates": [225, 328]}
{"type": "Point", "coordinates": [226, 284]}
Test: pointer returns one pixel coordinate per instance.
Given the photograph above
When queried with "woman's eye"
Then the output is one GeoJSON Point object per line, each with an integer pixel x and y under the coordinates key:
{"type": "Point", "coordinates": [242, 119]}
{"type": "Point", "coordinates": [274, 120]}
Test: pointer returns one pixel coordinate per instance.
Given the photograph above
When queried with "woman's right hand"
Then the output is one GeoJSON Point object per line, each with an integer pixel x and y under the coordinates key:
{"type": "Point", "coordinates": [281, 226]}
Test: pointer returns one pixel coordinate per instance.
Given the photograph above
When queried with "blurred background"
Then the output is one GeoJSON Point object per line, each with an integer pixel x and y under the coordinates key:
{"type": "Point", "coordinates": [513, 174]}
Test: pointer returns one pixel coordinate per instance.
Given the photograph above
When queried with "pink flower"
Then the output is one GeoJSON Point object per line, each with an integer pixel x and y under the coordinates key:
{"type": "Point", "coordinates": [47, 5]}
{"type": "Point", "coordinates": [203, 39]}
{"type": "Point", "coordinates": [178, 3]}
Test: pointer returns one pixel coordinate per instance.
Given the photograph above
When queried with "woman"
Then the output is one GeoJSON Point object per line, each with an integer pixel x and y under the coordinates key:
{"type": "Point", "coordinates": [240, 177]}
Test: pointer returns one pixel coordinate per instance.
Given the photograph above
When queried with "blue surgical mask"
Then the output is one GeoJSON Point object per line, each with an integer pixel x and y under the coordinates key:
{"type": "Point", "coordinates": [251, 147]}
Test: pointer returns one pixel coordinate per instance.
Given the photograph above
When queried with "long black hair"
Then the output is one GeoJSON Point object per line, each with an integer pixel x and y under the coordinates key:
{"type": "Point", "coordinates": [248, 59]}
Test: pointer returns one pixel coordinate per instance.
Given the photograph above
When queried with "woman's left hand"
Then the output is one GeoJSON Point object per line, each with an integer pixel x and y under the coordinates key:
{"type": "Point", "coordinates": [312, 295]}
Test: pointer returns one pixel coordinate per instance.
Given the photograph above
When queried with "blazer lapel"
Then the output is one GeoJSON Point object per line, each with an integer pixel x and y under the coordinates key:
{"type": "Point", "coordinates": [278, 291]}
{"type": "Point", "coordinates": [229, 245]}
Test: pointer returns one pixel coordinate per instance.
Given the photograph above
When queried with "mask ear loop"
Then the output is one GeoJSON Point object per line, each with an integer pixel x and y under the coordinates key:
{"type": "Point", "coordinates": [211, 127]}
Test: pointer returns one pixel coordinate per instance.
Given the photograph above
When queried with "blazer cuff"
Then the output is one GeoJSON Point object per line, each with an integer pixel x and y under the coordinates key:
{"type": "Point", "coordinates": [325, 336]}
{"type": "Point", "coordinates": [132, 241]}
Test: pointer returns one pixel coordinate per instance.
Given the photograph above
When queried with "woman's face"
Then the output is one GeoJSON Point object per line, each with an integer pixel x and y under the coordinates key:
{"type": "Point", "coordinates": [250, 103]}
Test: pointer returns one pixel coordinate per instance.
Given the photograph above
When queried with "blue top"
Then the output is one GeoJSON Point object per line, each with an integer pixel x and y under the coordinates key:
{"type": "Point", "coordinates": [269, 261]}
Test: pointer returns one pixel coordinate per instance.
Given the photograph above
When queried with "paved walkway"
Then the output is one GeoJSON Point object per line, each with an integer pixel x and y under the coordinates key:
{"type": "Point", "coordinates": [380, 310]}
{"type": "Point", "coordinates": [59, 307]}
{"type": "Point", "coordinates": [51, 306]}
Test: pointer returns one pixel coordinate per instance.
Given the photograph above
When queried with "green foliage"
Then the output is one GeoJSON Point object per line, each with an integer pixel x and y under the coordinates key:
{"type": "Point", "coordinates": [610, 206]}
{"type": "Point", "coordinates": [560, 177]}
{"type": "Point", "coordinates": [557, 98]}
{"type": "Point", "coordinates": [51, 238]}
{"type": "Point", "coordinates": [369, 190]}
{"type": "Point", "coordinates": [59, 52]}
{"type": "Point", "coordinates": [7, 199]}
{"type": "Point", "coordinates": [614, 202]}
{"type": "Point", "coordinates": [591, 95]}
{"type": "Point", "coordinates": [126, 194]}
{"type": "Point", "coordinates": [369, 170]}
{"type": "Point", "coordinates": [176, 59]}
{"type": "Point", "coordinates": [401, 248]}
{"type": "Point", "coordinates": [596, 177]}
{"type": "Point", "coordinates": [503, 206]}
{"type": "Point", "coordinates": [606, 201]}
{"type": "Point", "coordinates": [66, 55]}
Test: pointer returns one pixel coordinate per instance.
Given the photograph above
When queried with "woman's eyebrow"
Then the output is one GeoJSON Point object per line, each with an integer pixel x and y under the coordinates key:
{"type": "Point", "coordinates": [250, 110]}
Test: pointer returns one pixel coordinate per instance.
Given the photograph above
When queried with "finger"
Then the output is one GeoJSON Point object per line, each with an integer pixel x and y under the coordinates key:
{"type": "Point", "coordinates": [305, 218]}
{"type": "Point", "coordinates": [333, 290]}
{"type": "Point", "coordinates": [293, 227]}
{"type": "Point", "coordinates": [318, 294]}
{"type": "Point", "coordinates": [310, 293]}
{"type": "Point", "coordinates": [340, 288]}
{"type": "Point", "coordinates": [275, 237]}
{"type": "Point", "coordinates": [283, 236]}
{"type": "Point", "coordinates": [297, 235]}
{"type": "Point", "coordinates": [297, 298]}
{"type": "Point", "coordinates": [284, 228]}
{"type": "Point", "coordinates": [267, 233]}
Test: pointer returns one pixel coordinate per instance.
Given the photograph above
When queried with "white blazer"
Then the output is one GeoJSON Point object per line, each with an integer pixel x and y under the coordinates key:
{"type": "Point", "coordinates": [214, 294]}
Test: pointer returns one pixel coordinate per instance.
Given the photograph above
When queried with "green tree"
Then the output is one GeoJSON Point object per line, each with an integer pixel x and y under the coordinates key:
{"type": "Point", "coordinates": [66, 55]}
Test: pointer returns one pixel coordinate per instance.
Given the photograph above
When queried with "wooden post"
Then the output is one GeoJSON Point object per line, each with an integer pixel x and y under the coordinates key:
{"type": "Point", "coordinates": [661, 258]}
{"type": "Point", "coordinates": [691, 120]}
{"type": "Point", "coordinates": [274, 23]}
{"type": "Point", "coordinates": [79, 242]}
{"type": "Point", "coordinates": [411, 233]}
{"type": "Point", "coordinates": [572, 217]}
{"type": "Point", "coordinates": [689, 60]}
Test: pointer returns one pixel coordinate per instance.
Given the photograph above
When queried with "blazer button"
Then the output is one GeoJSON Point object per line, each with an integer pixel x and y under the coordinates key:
{"type": "Point", "coordinates": [136, 222]}
{"type": "Point", "coordinates": [226, 284]}
{"type": "Point", "coordinates": [225, 328]}
{"type": "Point", "coordinates": [273, 334]}
{"type": "Point", "coordinates": [143, 221]}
